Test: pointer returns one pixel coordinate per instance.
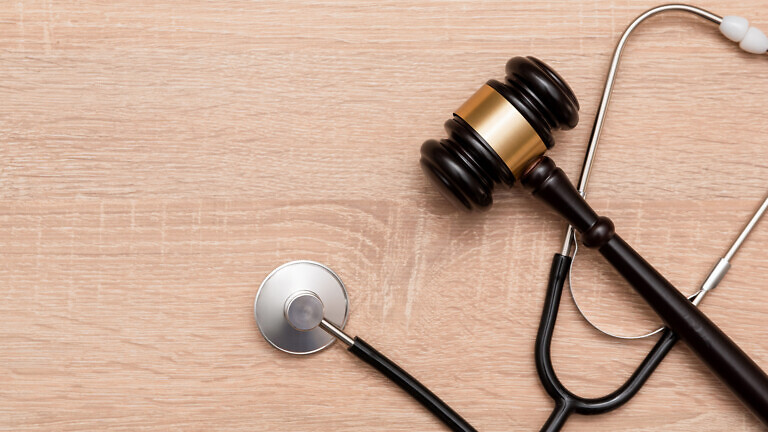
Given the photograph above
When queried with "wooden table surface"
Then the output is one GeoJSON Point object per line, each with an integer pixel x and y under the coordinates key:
{"type": "Point", "coordinates": [159, 159]}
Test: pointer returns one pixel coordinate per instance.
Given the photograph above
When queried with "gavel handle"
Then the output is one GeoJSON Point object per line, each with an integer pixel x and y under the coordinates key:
{"type": "Point", "coordinates": [724, 358]}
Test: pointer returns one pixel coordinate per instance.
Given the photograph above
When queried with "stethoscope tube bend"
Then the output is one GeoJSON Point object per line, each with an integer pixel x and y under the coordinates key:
{"type": "Point", "coordinates": [724, 358]}
{"type": "Point", "coordinates": [566, 402]}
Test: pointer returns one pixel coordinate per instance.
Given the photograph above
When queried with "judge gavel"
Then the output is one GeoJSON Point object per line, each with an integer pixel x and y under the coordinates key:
{"type": "Point", "coordinates": [500, 135]}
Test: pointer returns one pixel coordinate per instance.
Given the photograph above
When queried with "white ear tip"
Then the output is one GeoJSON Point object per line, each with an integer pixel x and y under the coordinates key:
{"type": "Point", "coordinates": [755, 41]}
{"type": "Point", "coordinates": [734, 27]}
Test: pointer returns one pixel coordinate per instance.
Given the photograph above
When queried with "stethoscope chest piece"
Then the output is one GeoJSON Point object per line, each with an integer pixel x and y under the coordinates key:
{"type": "Point", "coordinates": [292, 301]}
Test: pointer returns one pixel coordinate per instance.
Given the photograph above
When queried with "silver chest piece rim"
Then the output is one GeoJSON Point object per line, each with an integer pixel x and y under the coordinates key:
{"type": "Point", "coordinates": [281, 294]}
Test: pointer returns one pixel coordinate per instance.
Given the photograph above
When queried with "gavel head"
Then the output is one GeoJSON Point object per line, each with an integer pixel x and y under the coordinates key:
{"type": "Point", "coordinates": [498, 132]}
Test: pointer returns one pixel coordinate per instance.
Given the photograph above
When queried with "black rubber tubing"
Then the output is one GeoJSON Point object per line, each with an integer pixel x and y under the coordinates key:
{"type": "Point", "coordinates": [720, 353]}
{"type": "Point", "coordinates": [566, 402]}
{"type": "Point", "coordinates": [417, 390]}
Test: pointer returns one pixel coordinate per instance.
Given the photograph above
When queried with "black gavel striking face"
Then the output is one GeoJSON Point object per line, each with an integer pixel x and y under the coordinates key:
{"type": "Point", "coordinates": [498, 132]}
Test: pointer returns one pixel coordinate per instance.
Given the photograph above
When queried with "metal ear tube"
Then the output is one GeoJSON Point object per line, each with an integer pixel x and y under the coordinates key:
{"type": "Point", "coordinates": [734, 28]}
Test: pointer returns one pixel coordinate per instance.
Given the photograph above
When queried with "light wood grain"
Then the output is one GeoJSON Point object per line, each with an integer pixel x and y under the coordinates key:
{"type": "Point", "coordinates": [158, 159]}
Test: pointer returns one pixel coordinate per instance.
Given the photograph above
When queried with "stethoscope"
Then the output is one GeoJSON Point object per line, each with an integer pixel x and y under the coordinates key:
{"type": "Point", "coordinates": [302, 306]}
{"type": "Point", "coordinates": [566, 402]}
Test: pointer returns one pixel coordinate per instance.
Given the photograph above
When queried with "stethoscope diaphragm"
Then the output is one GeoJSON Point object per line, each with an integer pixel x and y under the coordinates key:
{"type": "Point", "coordinates": [291, 302]}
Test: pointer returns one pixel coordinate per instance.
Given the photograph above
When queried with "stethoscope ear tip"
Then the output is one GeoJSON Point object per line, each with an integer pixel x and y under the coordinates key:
{"type": "Point", "coordinates": [291, 302]}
